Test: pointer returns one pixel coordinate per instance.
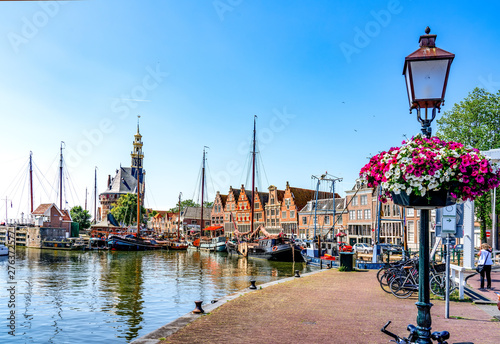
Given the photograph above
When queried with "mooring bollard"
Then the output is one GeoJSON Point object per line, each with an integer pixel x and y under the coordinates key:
{"type": "Point", "coordinates": [198, 309]}
{"type": "Point", "coordinates": [297, 273]}
{"type": "Point", "coordinates": [252, 285]}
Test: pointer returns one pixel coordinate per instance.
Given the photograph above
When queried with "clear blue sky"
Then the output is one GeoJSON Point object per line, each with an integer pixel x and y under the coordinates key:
{"type": "Point", "coordinates": [323, 77]}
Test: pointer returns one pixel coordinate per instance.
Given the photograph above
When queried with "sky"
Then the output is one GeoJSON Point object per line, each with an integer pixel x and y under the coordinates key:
{"type": "Point", "coordinates": [324, 79]}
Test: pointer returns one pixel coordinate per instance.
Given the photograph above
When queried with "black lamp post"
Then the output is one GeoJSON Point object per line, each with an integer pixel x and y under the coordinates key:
{"type": "Point", "coordinates": [426, 72]}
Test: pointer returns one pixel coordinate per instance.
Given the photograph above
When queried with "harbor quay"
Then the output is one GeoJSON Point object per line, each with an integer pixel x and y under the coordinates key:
{"type": "Point", "coordinates": [328, 306]}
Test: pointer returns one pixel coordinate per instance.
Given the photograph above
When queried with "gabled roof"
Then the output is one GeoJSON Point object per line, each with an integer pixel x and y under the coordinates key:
{"type": "Point", "coordinates": [264, 197]}
{"type": "Point", "coordinates": [223, 199]}
{"type": "Point", "coordinates": [123, 182]}
{"type": "Point", "coordinates": [44, 209]}
{"type": "Point", "coordinates": [325, 204]}
{"type": "Point", "coordinates": [302, 196]}
{"type": "Point", "coordinates": [195, 213]}
{"type": "Point", "coordinates": [66, 215]}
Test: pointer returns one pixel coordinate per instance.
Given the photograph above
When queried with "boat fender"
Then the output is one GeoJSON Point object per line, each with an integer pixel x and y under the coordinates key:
{"type": "Point", "coordinates": [275, 248]}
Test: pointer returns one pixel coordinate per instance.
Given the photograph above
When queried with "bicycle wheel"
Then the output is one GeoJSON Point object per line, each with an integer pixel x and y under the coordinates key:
{"type": "Point", "coordinates": [438, 285]}
{"type": "Point", "coordinates": [386, 279]}
{"type": "Point", "coordinates": [400, 287]}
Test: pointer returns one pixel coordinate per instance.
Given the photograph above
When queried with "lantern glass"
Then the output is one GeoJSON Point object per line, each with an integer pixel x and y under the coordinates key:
{"type": "Point", "coordinates": [429, 78]}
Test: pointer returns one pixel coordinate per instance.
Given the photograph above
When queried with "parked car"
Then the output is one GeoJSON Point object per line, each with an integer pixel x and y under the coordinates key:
{"type": "Point", "coordinates": [362, 247]}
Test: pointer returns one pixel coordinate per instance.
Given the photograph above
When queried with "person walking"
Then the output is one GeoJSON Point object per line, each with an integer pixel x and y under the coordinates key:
{"type": "Point", "coordinates": [486, 261]}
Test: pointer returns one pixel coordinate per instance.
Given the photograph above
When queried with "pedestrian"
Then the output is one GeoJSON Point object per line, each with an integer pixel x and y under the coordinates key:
{"type": "Point", "coordinates": [486, 261]}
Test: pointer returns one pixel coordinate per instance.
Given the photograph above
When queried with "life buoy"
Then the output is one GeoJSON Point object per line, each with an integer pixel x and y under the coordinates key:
{"type": "Point", "coordinates": [275, 248]}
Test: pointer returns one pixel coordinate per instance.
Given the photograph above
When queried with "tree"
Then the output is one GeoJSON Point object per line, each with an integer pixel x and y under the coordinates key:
{"type": "Point", "coordinates": [80, 216]}
{"type": "Point", "coordinates": [125, 209]}
{"type": "Point", "coordinates": [208, 204]}
{"type": "Point", "coordinates": [184, 204]}
{"type": "Point", "coordinates": [475, 122]}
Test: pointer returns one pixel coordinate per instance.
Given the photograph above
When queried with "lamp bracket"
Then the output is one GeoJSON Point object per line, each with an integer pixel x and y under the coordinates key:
{"type": "Point", "coordinates": [426, 122]}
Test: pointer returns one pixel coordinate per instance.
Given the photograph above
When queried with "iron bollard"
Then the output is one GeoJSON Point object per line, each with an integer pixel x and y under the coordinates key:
{"type": "Point", "coordinates": [297, 273]}
{"type": "Point", "coordinates": [252, 285]}
{"type": "Point", "coordinates": [198, 309]}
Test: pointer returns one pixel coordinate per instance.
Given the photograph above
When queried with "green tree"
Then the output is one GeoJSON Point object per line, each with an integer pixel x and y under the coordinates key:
{"type": "Point", "coordinates": [125, 209]}
{"type": "Point", "coordinates": [81, 216]}
{"type": "Point", "coordinates": [184, 204]}
{"type": "Point", "coordinates": [475, 122]}
{"type": "Point", "coordinates": [208, 204]}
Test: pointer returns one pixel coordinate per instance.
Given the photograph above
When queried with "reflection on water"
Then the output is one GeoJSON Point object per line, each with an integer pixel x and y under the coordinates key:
{"type": "Point", "coordinates": [103, 297]}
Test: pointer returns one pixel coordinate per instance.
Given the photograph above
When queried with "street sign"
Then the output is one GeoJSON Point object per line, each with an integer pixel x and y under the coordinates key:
{"type": "Point", "coordinates": [488, 233]}
{"type": "Point", "coordinates": [450, 221]}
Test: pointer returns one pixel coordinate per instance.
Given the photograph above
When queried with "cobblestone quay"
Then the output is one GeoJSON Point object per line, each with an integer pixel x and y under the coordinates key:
{"type": "Point", "coordinates": [327, 307]}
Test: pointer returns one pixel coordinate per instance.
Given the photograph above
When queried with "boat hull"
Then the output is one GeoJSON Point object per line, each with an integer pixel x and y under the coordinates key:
{"type": "Point", "coordinates": [279, 253]}
{"type": "Point", "coordinates": [320, 262]}
{"type": "Point", "coordinates": [130, 244]}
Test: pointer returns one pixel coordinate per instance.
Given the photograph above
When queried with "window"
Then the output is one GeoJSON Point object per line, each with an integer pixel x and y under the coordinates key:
{"type": "Point", "coordinates": [418, 212]}
{"type": "Point", "coordinates": [272, 212]}
{"type": "Point", "coordinates": [267, 212]}
{"type": "Point", "coordinates": [364, 199]}
{"type": "Point", "coordinates": [193, 222]}
{"type": "Point", "coordinates": [360, 214]}
{"type": "Point", "coordinates": [368, 214]}
{"type": "Point", "coordinates": [354, 200]}
{"type": "Point", "coordinates": [256, 205]}
{"type": "Point", "coordinates": [283, 214]}
{"type": "Point", "coordinates": [273, 222]}
{"type": "Point", "coordinates": [411, 231]}
{"type": "Point", "coordinates": [272, 200]}
{"type": "Point", "coordinates": [339, 219]}
{"type": "Point", "coordinates": [292, 214]}
{"type": "Point", "coordinates": [352, 215]}
{"type": "Point", "coordinates": [287, 203]}
{"type": "Point", "coordinates": [410, 212]}
{"type": "Point", "coordinates": [304, 220]}
{"type": "Point", "coordinates": [327, 220]}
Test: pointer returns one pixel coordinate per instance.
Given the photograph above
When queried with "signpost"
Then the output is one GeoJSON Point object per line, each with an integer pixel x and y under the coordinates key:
{"type": "Point", "coordinates": [449, 225]}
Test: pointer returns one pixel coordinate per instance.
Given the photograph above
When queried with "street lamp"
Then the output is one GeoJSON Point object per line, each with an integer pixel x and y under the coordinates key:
{"type": "Point", "coordinates": [426, 72]}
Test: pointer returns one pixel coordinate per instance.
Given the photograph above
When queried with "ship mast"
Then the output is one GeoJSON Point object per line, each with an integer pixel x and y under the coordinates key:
{"type": "Point", "coordinates": [253, 178]}
{"type": "Point", "coordinates": [61, 177]}
{"type": "Point", "coordinates": [179, 219]}
{"type": "Point", "coordinates": [31, 181]}
{"type": "Point", "coordinates": [95, 195]}
{"type": "Point", "coordinates": [202, 189]}
{"type": "Point", "coordinates": [139, 170]}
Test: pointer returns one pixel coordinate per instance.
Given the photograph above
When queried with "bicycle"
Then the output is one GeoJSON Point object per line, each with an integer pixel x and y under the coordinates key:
{"type": "Point", "coordinates": [440, 337]}
{"type": "Point", "coordinates": [404, 284]}
{"type": "Point", "coordinates": [438, 285]}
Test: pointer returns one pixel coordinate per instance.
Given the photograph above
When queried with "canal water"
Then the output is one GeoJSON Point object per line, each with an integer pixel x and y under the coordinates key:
{"type": "Point", "coordinates": [116, 297]}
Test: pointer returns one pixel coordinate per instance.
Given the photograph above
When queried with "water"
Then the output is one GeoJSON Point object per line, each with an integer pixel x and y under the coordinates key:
{"type": "Point", "coordinates": [116, 297]}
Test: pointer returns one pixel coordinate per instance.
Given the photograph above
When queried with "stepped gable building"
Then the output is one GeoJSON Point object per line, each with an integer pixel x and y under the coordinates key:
{"type": "Point", "coordinates": [125, 179]}
{"type": "Point", "coordinates": [230, 210]}
{"type": "Point", "coordinates": [273, 207]}
{"type": "Point", "coordinates": [218, 209]}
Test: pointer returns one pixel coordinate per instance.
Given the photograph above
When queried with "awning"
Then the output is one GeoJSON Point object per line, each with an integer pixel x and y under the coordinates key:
{"type": "Point", "coordinates": [213, 228]}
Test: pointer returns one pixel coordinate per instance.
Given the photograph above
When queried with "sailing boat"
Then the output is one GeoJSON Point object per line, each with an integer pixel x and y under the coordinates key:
{"type": "Point", "coordinates": [178, 245]}
{"type": "Point", "coordinates": [214, 240]}
{"type": "Point", "coordinates": [272, 246]}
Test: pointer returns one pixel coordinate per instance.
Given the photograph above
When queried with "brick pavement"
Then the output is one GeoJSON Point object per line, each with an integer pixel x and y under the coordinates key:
{"type": "Point", "coordinates": [329, 307]}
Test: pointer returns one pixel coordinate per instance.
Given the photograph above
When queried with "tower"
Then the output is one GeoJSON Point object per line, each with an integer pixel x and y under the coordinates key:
{"type": "Point", "coordinates": [137, 155]}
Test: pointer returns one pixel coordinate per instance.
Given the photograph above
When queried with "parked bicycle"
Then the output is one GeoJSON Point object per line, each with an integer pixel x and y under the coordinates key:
{"type": "Point", "coordinates": [440, 337]}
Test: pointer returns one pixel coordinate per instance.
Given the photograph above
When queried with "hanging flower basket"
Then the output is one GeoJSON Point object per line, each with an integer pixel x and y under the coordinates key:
{"type": "Point", "coordinates": [430, 173]}
{"type": "Point", "coordinates": [432, 200]}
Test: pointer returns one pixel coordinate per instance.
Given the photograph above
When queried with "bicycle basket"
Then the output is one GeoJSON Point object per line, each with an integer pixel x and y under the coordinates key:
{"type": "Point", "coordinates": [440, 267]}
